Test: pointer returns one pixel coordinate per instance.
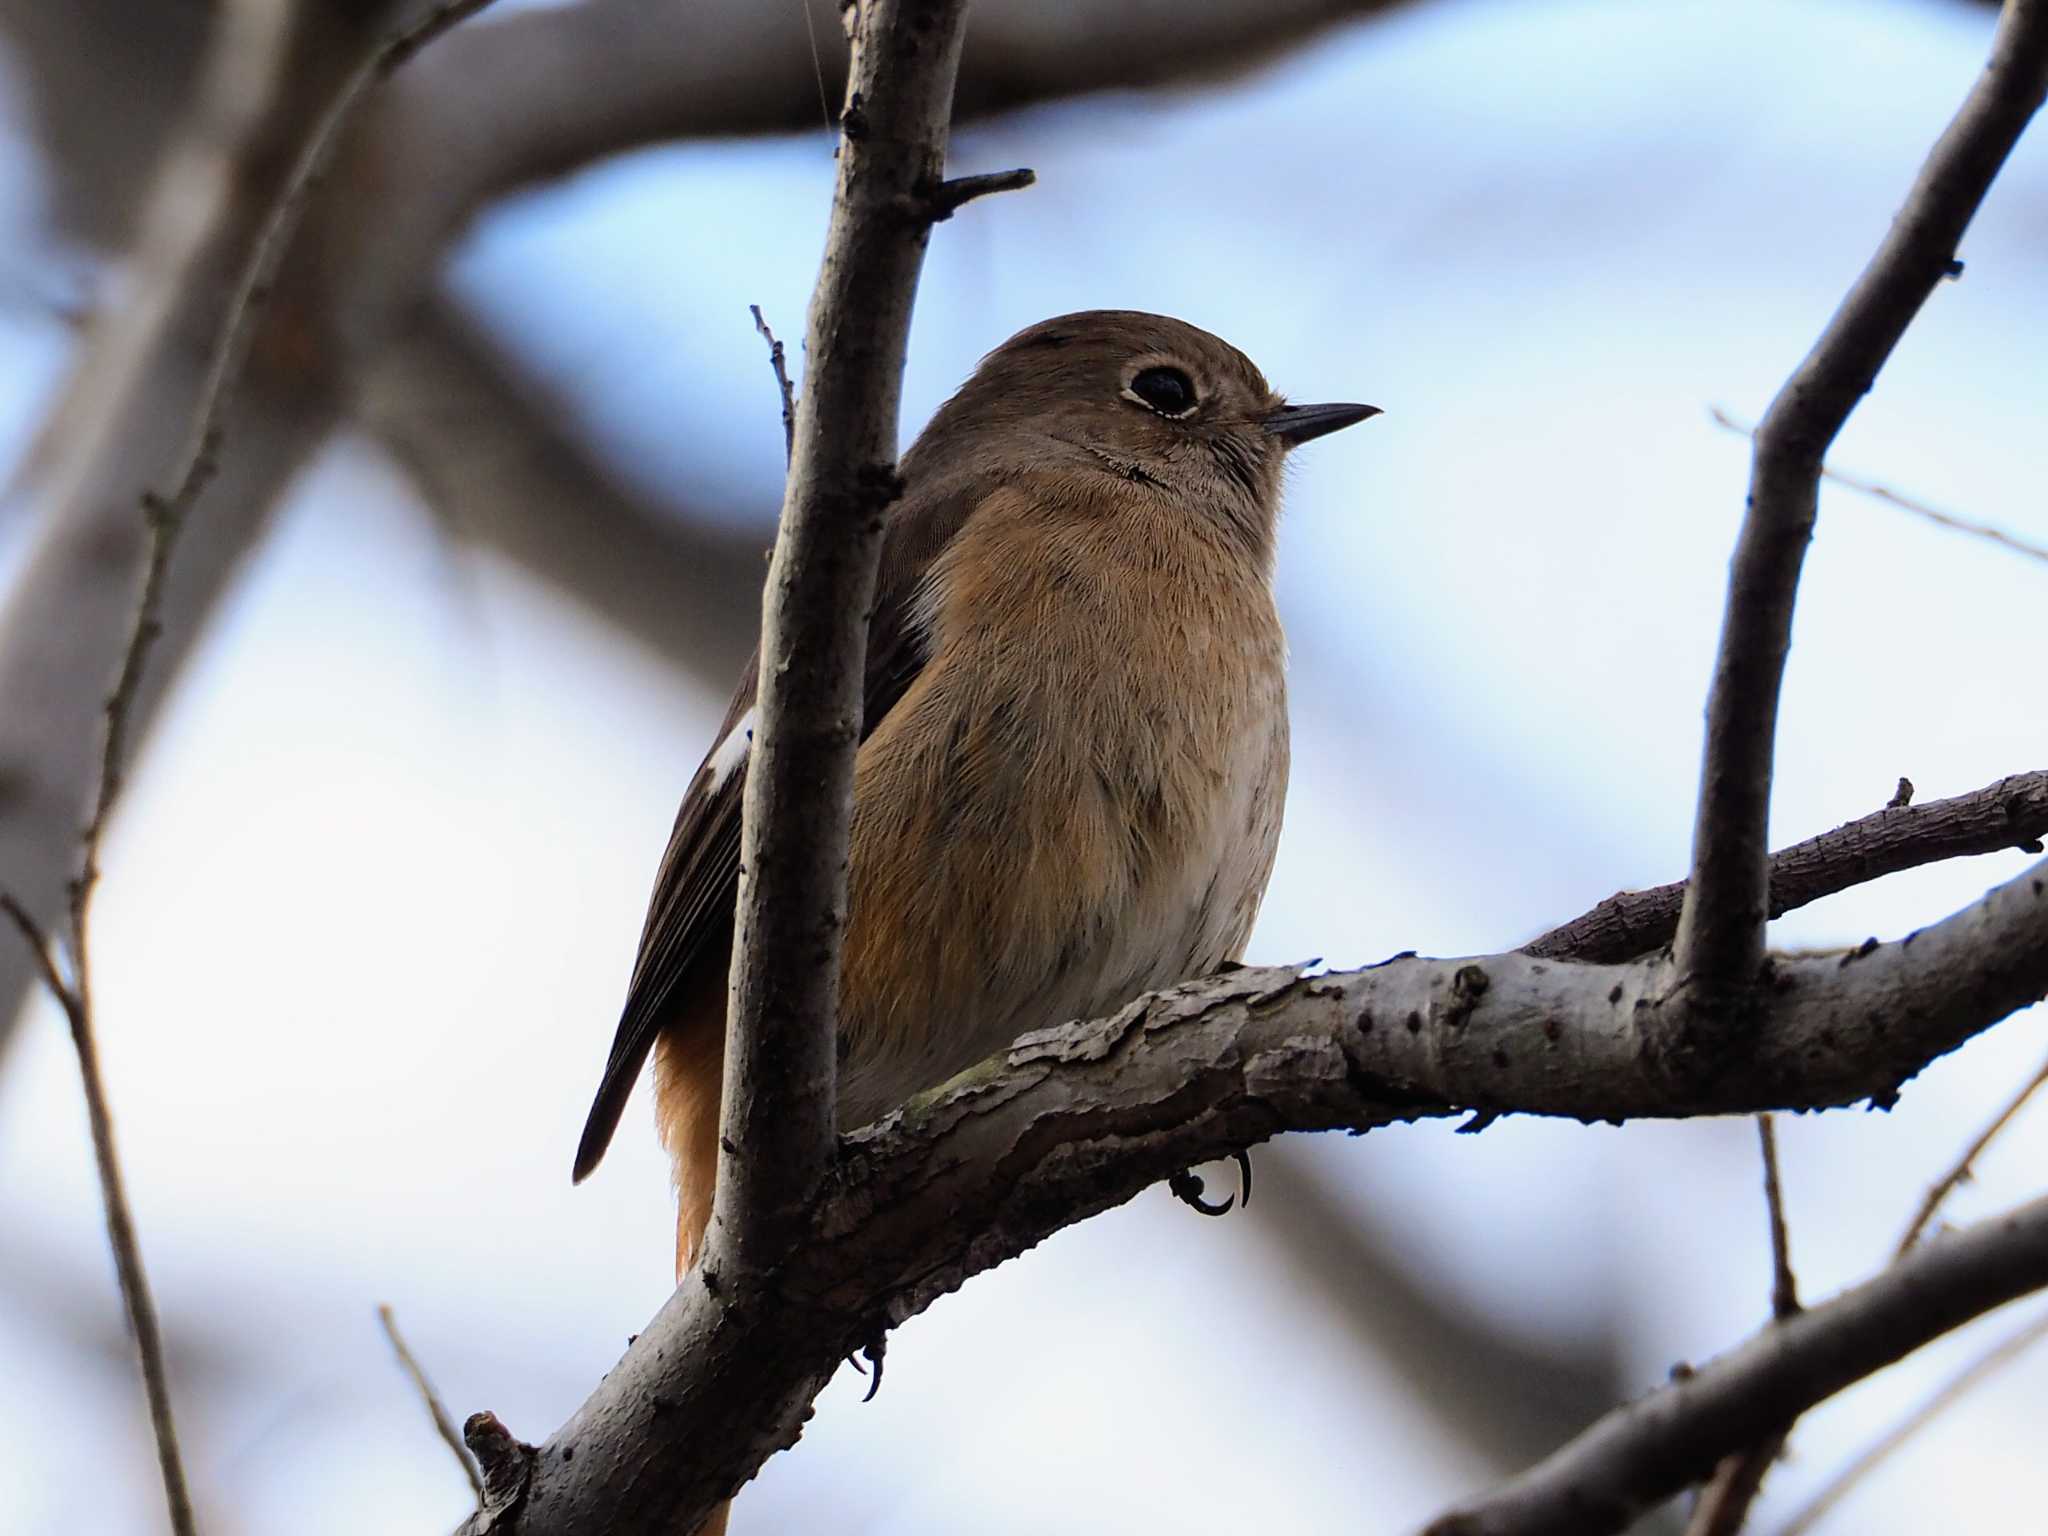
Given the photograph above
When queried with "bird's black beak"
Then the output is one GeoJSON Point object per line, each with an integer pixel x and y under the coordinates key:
{"type": "Point", "coordinates": [1296, 424]}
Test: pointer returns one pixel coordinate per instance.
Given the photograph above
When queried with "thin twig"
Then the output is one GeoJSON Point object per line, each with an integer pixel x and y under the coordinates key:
{"type": "Point", "coordinates": [776, 361]}
{"type": "Point", "coordinates": [2013, 813]}
{"type": "Point", "coordinates": [443, 1424]}
{"type": "Point", "coordinates": [1884, 493]}
{"type": "Point", "coordinates": [1724, 1504]}
{"type": "Point", "coordinates": [1720, 943]}
{"type": "Point", "coordinates": [1960, 1172]}
{"type": "Point", "coordinates": [166, 512]}
{"type": "Point", "coordinates": [165, 515]}
{"type": "Point", "coordinates": [76, 1002]}
{"type": "Point", "coordinates": [1985, 1365]}
{"type": "Point", "coordinates": [40, 948]}
{"type": "Point", "coordinates": [1784, 1287]}
{"type": "Point", "coordinates": [949, 197]}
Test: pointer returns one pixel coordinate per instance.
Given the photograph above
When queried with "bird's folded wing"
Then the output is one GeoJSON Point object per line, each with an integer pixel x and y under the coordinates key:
{"type": "Point", "coordinates": [689, 919]}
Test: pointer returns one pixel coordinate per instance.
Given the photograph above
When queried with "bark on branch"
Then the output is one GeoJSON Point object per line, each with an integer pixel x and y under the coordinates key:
{"type": "Point", "coordinates": [1077, 1119]}
{"type": "Point", "coordinates": [1721, 932]}
{"type": "Point", "coordinates": [2013, 813]}
{"type": "Point", "coordinates": [778, 1131]}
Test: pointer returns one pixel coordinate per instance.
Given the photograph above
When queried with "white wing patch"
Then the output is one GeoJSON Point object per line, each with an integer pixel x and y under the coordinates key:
{"type": "Point", "coordinates": [730, 753]}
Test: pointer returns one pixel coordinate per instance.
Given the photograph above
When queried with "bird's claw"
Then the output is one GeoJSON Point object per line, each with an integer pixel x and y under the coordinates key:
{"type": "Point", "coordinates": [1187, 1187]}
{"type": "Point", "coordinates": [874, 1349]}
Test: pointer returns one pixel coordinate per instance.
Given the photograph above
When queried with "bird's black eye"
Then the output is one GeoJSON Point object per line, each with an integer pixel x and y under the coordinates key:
{"type": "Point", "coordinates": [1167, 390]}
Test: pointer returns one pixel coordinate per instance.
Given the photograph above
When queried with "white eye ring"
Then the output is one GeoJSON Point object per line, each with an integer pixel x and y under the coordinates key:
{"type": "Point", "coordinates": [1170, 381]}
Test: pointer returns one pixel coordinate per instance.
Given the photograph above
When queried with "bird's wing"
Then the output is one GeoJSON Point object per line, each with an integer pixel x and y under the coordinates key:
{"type": "Point", "coordinates": [689, 918]}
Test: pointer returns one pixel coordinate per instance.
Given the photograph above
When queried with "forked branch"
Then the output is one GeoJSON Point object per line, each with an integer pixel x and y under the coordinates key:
{"type": "Point", "coordinates": [1721, 930]}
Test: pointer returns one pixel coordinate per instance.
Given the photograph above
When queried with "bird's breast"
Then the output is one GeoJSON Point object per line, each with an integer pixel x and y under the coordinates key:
{"type": "Point", "coordinates": [1077, 800]}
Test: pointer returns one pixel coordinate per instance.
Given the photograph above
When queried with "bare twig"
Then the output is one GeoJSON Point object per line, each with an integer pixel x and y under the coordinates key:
{"type": "Point", "coordinates": [2013, 813]}
{"type": "Point", "coordinates": [1725, 1502]}
{"type": "Point", "coordinates": [166, 512]}
{"type": "Point", "coordinates": [780, 1108]}
{"type": "Point", "coordinates": [782, 384]}
{"type": "Point", "coordinates": [1884, 493]}
{"type": "Point", "coordinates": [76, 1002]}
{"type": "Point", "coordinates": [1639, 1455]}
{"type": "Point", "coordinates": [1784, 1287]}
{"type": "Point", "coordinates": [1721, 929]}
{"type": "Point", "coordinates": [443, 1424]}
{"type": "Point", "coordinates": [2001, 1354]}
{"type": "Point", "coordinates": [1961, 1170]}
{"type": "Point", "coordinates": [165, 516]}
{"type": "Point", "coordinates": [39, 949]}
{"type": "Point", "coordinates": [949, 197]}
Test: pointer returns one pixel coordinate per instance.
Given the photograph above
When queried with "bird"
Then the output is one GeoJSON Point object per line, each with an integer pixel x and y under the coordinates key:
{"type": "Point", "coordinates": [1074, 745]}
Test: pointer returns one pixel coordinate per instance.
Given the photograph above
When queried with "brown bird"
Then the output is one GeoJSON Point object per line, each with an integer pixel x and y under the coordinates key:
{"type": "Point", "coordinates": [1074, 749]}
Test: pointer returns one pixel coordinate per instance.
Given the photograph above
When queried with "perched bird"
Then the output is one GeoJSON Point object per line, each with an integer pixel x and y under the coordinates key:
{"type": "Point", "coordinates": [1074, 750]}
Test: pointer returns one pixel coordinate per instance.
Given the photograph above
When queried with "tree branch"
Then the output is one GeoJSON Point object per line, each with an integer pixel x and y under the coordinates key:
{"type": "Point", "coordinates": [443, 1425]}
{"type": "Point", "coordinates": [1639, 1455]}
{"type": "Point", "coordinates": [1998, 1356]}
{"type": "Point", "coordinates": [1721, 930]}
{"type": "Point", "coordinates": [518, 97]}
{"type": "Point", "coordinates": [244, 38]}
{"type": "Point", "coordinates": [1080, 1118]}
{"type": "Point", "coordinates": [1504, 1396]}
{"type": "Point", "coordinates": [75, 998]}
{"type": "Point", "coordinates": [777, 365]}
{"type": "Point", "coordinates": [778, 1132]}
{"type": "Point", "coordinates": [488, 111]}
{"type": "Point", "coordinates": [166, 514]}
{"type": "Point", "coordinates": [2013, 813]}
{"type": "Point", "coordinates": [488, 451]}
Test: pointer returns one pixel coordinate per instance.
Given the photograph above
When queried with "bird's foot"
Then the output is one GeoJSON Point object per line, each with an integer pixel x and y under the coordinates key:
{"type": "Point", "coordinates": [874, 1350]}
{"type": "Point", "coordinates": [1188, 1188]}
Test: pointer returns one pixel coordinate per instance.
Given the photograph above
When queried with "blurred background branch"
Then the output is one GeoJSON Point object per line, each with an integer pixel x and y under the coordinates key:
{"type": "Point", "coordinates": [493, 110]}
{"type": "Point", "coordinates": [376, 344]}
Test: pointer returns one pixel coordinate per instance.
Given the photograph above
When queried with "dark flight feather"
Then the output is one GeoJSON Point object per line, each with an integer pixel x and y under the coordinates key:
{"type": "Point", "coordinates": [690, 916]}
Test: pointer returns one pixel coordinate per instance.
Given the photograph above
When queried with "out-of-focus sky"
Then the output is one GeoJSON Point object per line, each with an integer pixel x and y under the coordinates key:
{"type": "Point", "coordinates": [372, 900]}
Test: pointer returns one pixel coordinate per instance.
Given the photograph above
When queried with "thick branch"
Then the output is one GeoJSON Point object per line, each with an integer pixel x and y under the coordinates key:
{"type": "Point", "coordinates": [1721, 932]}
{"type": "Point", "coordinates": [1640, 1455]}
{"type": "Point", "coordinates": [545, 91]}
{"type": "Point", "coordinates": [2013, 813]}
{"type": "Point", "coordinates": [1080, 1118]}
{"type": "Point", "coordinates": [781, 1048]}
{"type": "Point", "coordinates": [1503, 1396]}
{"type": "Point", "coordinates": [488, 451]}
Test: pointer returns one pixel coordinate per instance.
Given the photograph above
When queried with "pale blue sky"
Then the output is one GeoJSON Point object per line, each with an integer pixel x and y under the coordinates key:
{"type": "Point", "coordinates": [368, 918]}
